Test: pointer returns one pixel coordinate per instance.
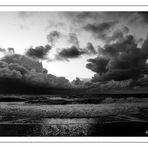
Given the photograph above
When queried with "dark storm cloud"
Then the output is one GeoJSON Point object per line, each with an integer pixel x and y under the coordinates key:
{"type": "Point", "coordinates": [7, 73]}
{"type": "Point", "coordinates": [53, 36]}
{"type": "Point", "coordinates": [2, 50]}
{"type": "Point", "coordinates": [69, 53]}
{"type": "Point", "coordinates": [140, 40]}
{"type": "Point", "coordinates": [73, 39]}
{"type": "Point", "coordinates": [125, 16]}
{"type": "Point", "coordinates": [74, 52]}
{"type": "Point", "coordinates": [90, 48]}
{"type": "Point", "coordinates": [100, 30]}
{"type": "Point", "coordinates": [144, 16]}
{"type": "Point", "coordinates": [22, 73]}
{"type": "Point", "coordinates": [20, 61]}
{"type": "Point", "coordinates": [11, 50]}
{"type": "Point", "coordinates": [39, 52]}
{"type": "Point", "coordinates": [98, 65]}
{"type": "Point", "coordinates": [85, 15]}
{"type": "Point", "coordinates": [122, 48]}
{"type": "Point", "coordinates": [96, 15]}
{"type": "Point", "coordinates": [117, 75]}
{"type": "Point", "coordinates": [80, 16]}
{"type": "Point", "coordinates": [93, 18]}
{"type": "Point", "coordinates": [118, 34]}
{"type": "Point", "coordinates": [125, 59]}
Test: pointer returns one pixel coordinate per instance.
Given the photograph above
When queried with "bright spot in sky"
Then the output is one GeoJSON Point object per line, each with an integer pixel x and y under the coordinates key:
{"type": "Point", "coordinates": [21, 31]}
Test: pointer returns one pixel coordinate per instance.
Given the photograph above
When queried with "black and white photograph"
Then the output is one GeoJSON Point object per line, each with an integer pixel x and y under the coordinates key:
{"type": "Point", "coordinates": [73, 73]}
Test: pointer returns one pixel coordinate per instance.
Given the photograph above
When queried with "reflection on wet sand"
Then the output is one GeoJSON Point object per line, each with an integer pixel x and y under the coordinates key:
{"type": "Point", "coordinates": [22, 119]}
{"type": "Point", "coordinates": [104, 126]}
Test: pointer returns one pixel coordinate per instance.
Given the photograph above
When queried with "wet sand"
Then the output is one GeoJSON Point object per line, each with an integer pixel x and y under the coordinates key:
{"type": "Point", "coordinates": [23, 119]}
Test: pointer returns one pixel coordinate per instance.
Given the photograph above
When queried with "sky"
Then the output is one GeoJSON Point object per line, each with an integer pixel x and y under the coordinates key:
{"type": "Point", "coordinates": [74, 37]}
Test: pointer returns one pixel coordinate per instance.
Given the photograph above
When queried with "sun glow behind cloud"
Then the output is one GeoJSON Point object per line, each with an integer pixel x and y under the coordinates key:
{"type": "Point", "coordinates": [21, 30]}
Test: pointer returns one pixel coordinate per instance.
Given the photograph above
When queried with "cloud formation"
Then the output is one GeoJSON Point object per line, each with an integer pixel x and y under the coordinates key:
{"type": "Point", "coordinates": [144, 16]}
{"type": "Point", "coordinates": [90, 48]}
{"type": "Point", "coordinates": [53, 37]}
{"type": "Point", "coordinates": [22, 72]}
{"type": "Point", "coordinates": [120, 59]}
{"type": "Point", "coordinates": [98, 65]}
{"type": "Point", "coordinates": [2, 50]}
{"type": "Point", "coordinates": [39, 52]}
{"type": "Point", "coordinates": [69, 53]}
{"type": "Point", "coordinates": [74, 52]}
{"type": "Point", "coordinates": [109, 14]}
{"type": "Point", "coordinates": [100, 30]}
{"type": "Point", "coordinates": [73, 39]}
{"type": "Point", "coordinates": [71, 49]}
{"type": "Point", "coordinates": [129, 16]}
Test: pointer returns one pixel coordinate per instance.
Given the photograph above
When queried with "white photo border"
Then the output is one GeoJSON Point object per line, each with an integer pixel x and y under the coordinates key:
{"type": "Point", "coordinates": [4, 8]}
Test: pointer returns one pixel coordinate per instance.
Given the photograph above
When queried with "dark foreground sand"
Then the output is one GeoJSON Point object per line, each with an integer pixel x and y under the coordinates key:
{"type": "Point", "coordinates": [117, 119]}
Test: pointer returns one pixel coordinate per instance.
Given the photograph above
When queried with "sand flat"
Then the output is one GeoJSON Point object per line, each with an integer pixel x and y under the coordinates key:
{"type": "Point", "coordinates": [69, 111]}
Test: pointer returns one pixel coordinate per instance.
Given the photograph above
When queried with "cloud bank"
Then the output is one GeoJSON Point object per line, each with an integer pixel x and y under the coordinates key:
{"type": "Point", "coordinates": [120, 59]}
{"type": "Point", "coordinates": [100, 30]}
{"type": "Point", "coordinates": [22, 72]}
{"type": "Point", "coordinates": [39, 52]}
